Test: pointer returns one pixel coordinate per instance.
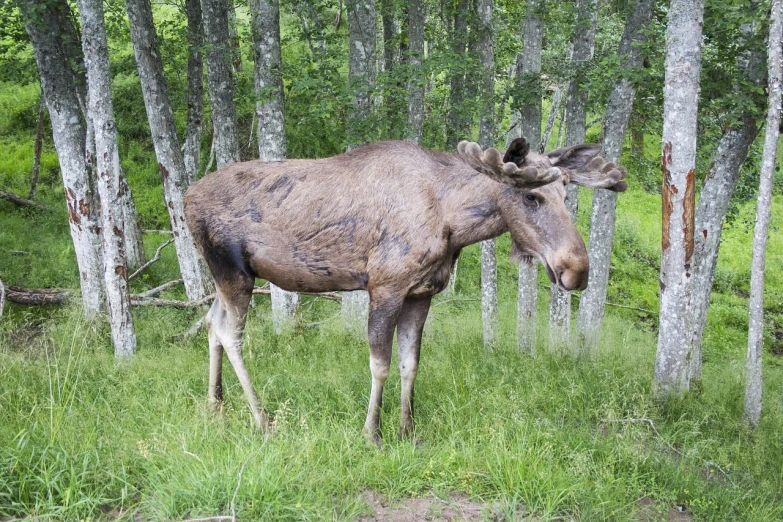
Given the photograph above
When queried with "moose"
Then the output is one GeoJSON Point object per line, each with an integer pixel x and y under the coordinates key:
{"type": "Point", "coordinates": [389, 218]}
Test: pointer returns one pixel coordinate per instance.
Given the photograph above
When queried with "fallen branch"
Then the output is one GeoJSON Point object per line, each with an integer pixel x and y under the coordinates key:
{"type": "Point", "coordinates": [210, 519]}
{"type": "Point", "coordinates": [23, 202]}
{"type": "Point", "coordinates": [158, 289]}
{"type": "Point", "coordinates": [154, 301]}
{"type": "Point", "coordinates": [191, 332]}
{"type": "Point", "coordinates": [36, 296]}
{"type": "Point", "coordinates": [168, 232]}
{"type": "Point", "coordinates": [2, 297]}
{"type": "Point", "coordinates": [334, 296]}
{"type": "Point", "coordinates": [148, 263]}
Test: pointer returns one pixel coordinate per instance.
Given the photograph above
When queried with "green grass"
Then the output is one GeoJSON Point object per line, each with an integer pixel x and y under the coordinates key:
{"type": "Point", "coordinates": [84, 436]}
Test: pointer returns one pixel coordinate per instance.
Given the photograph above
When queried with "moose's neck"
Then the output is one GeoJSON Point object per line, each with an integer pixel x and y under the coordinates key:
{"type": "Point", "coordinates": [470, 202]}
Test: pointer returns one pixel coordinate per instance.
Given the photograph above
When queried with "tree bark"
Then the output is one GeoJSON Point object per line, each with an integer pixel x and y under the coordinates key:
{"type": "Point", "coordinates": [265, 26]}
{"type": "Point", "coordinates": [195, 79]}
{"type": "Point", "coordinates": [38, 148]}
{"type": "Point", "coordinates": [233, 34]}
{"type": "Point", "coordinates": [416, 18]}
{"type": "Point", "coordinates": [458, 120]}
{"type": "Point", "coordinates": [166, 143]}
{"type": "Point", "coordinates": [72, 47]}
{"type": "Point", "coordinates": [575, 116]}
{"type": "Point", "coordinates": [528, 111]}
{"type": "Point", "coordinates": [220, 80]}
{"type": "Point", "coordinates": [362, 21]}
{"type": "Point", "coordinates": [68, 133]}
{"type": "Point", "coordinates": [719, 185]}
{"type": "Point", "coordinates": [101, 111]}
{"type": "Point", "coordinates": [489, 280]}
{"type": "Point", "coordinates": [618, 112]}
{"type": "Point", "coordinates": [752, 411]}
{"type": "Point", "coordinates": [557, 98]}
{"type": "Point", "coordinates": [680, 107]}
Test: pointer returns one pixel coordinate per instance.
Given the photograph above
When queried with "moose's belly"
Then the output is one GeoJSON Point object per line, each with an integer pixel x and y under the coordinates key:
{"type": "Point", "coordinates": [435, 280]}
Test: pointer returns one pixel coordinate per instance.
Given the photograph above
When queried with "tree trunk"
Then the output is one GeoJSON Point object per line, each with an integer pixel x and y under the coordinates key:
{"type": "Point", "coordinates": [756, 305]}
{"type": "Point", "coordinates": [220, 80]}
{"type": "Point", "coordinates": [195, 74]}
{"type": "Point", "coordinates": [416, 19]}
{"type": "Point", "coordinates": [129, 220]}
{"type": "Point", "coordinates": [38, 147]}
{"type": "Point", "coordinates": [458, 119]}
{"type": "Point", "coordinates": [489, 281]}
{"type": "Point", "coordinates": [115, 271]}
{"type": "Point", "coordinates": [680, 107]}
{"type": "Point", "coordinates": [719, 185]}
{"type": "Point", "coordinates": [68, 133]}
{"type": "Point", "coordinates": [362, 33]}
{"type": "Point", "coordinates": [391, 31]}
{"type": "Point", "coordinates": [265, 26]}
{"type": "Point", "coordinates": [233, 34]}
{"type": "Point", "coordinates": [576, 101]}
{"type": "Point", "coordinates": [166, 143]}
{"type": "Point", "coordinates": [618, 112]}
{"type": "Point", "coordinates": [528, 89]}
{"type": "Point", "coordinates": [550, 121]}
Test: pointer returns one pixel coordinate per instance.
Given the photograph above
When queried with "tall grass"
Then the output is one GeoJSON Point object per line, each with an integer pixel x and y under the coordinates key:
{"type": "Point", "coordinates": [84, 436]}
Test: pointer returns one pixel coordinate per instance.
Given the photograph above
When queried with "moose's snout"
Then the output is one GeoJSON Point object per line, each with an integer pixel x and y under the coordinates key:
{"type": "Point", "coordinates": [571, 269]}
{"type": "Point", "coordinates": [573, 279]}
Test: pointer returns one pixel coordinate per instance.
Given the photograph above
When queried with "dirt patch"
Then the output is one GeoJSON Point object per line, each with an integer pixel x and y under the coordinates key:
{"type": "Point", "coordinates": [431, 508]}
{"type": "Point", "coordinates": [651, 510]}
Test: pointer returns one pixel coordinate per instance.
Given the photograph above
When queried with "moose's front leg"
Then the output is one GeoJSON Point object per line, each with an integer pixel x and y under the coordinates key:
{"type": "Point", "coordinates": [384, 311]}
{"type": "Point", "coordinates": [409, 329]}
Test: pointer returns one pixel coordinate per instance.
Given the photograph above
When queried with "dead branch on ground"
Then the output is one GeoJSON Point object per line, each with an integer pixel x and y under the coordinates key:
{"type": "Point", "coordinates": [36, 296]}
{"type": "Point", "coordinates": [23, 202]}
{"type": "Point", "coordinates": [158, 289]}
{"type": "Point", "coordinates": [148, 263]}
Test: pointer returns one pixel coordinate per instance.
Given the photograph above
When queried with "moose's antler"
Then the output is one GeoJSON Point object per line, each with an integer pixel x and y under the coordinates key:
{"type": "Point", "coordinates": [600, 174]}
{"type": "Point", "coordinates": [490, 162]}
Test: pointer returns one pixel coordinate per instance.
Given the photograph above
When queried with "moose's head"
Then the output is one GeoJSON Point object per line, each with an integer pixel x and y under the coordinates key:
{"type": "Point", "coordinates": [533, 204]}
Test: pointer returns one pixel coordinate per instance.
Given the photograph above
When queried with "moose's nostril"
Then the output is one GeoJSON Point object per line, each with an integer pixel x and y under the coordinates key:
{"type": "Point", "coordinates": [573, 279]}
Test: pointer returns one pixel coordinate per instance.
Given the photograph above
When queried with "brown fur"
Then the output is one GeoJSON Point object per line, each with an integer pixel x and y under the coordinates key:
{"type": "Point", "coordinates": [390, 218]}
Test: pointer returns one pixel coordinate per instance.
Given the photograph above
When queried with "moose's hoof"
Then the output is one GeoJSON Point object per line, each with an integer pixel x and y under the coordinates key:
{"type": "Point", "coordinates": [374, 437]}
{"type": "Point", "coordinates": [215, 406]}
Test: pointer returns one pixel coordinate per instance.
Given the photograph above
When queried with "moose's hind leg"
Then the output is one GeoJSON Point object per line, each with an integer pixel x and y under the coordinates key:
{"type": "Point", "coordinates": [228, 329]}
{"type": "Point", "coordinates": [215, 390]}
{"type": "Point", "coordinates": [409, 329]}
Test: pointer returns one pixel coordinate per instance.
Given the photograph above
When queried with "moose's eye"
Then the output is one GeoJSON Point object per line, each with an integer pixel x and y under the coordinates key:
{"type": "Point", "coordinates": [531, 200]}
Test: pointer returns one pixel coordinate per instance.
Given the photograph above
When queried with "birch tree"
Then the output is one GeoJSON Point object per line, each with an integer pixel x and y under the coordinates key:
{"type": "Point", "coordinates": [527, 101]}
{"type": "Point", "coordinates": [128, 218]}
{"type": "Point", "coordinates": [220, 81]}
{"type": "Point", "coordinates": [166, 143]}
{"type": "Point", "coordinates": [489, 269]}
{"type": "Point", "coordinates": [362, 22]}
{"type": "Point", "coordinates": [69, 136]}
{"type": "Point", "coordinates": [752, 411]}
{"type": "Point", "coordinates": [576, 100]}
{"type": "Point", "coordinates": [101, 111]}
{"type": "Point", "coordinates": [195, 80]}
{"type": "Point", "coordinates": [680, 107]}
{"type": "Point", "coordinates": [457, 121]}
{"type": "Point", "coordinates": [416, 17]}
{"type": "Point", "coordinates": [618, 112]}
{"type": "Point", "coordinates": [265, 26]}
{"type": "Point", "coordinates": [719, 185]}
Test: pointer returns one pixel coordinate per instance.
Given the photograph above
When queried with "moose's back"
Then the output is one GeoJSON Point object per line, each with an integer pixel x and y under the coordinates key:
{"type": "Point", "coordinates": [318, 225]}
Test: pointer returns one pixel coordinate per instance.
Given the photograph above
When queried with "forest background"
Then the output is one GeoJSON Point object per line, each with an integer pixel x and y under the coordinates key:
{"type": "Point", "coordinates": [554, 435]}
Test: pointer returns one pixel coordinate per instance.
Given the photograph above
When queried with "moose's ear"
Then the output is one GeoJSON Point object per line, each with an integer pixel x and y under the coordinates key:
{"type": "Point", "coordinates": [517, 152]}
{"type": "Point", "coordinates": [576, 157]}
